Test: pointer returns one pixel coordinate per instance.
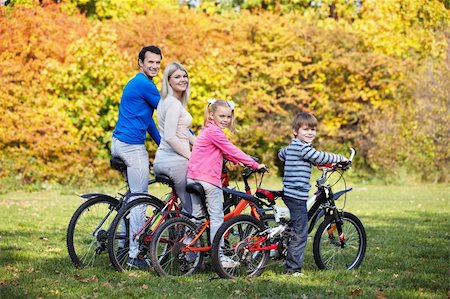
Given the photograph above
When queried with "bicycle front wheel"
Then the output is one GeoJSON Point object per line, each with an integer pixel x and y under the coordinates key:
{"type": "Point", "coordinates": [131, 232]}
{"type": "Point", "coordinates": [233, 250]}
{"type": "Point", "coordinates": [329, 253]}
{"type": "Point", "coordinates": [87, 231]}
{"type": "Point", "coordinates": [168, 254]}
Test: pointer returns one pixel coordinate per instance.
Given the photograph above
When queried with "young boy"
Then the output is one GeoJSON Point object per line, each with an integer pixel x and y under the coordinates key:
{"type": "Point", "coordinates": [298, 158]}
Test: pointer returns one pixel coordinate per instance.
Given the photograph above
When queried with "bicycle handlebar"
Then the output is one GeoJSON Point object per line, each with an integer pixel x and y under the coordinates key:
{"type": "Point", "coordinates": [344, 165]}
{"type": "Point", "coordinates": [352, 150]}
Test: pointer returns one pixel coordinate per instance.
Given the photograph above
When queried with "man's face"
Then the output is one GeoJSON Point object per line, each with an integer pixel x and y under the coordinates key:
{"type": "Point", "coordinates": [151, 64]}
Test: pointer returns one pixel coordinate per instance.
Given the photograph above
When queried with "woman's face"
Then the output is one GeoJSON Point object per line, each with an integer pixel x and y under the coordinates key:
{"type": "Point", "coordinates": [179, 81]}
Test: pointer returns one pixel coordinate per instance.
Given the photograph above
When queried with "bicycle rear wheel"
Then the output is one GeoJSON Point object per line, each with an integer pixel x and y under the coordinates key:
{"type": "Point", "coordinates": [87, 231]}
{"type": "Point", "coordinates": [144, 213]}
{"type": "Point", "coordinates": [328, 252]}
{"type": "Point", "coordinates": [231, 252]}
{"type": "Point", "coordinates": [166, 249]}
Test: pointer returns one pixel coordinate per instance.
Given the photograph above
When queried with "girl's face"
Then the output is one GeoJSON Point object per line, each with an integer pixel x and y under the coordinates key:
{"type": "Point", "coordinates": [222, 116]}
{"type": "Point", "coordinates": [306, 133]}
{"type": "Point", "coordinates": [179, 81]}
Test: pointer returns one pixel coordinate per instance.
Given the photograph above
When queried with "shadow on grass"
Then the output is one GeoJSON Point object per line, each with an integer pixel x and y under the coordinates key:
{"type": "Point", "coordinates": [404, 257]}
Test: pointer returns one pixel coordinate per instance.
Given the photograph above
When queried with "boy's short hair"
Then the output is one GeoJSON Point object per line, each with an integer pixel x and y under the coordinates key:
{"type": "Point", "coordinates": [304, 118]}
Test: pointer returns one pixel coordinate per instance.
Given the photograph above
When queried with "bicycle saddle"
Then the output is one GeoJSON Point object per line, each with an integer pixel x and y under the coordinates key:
{"type": "Point", "coordinates": [164, 179]}
{"type": "Point", "coordinates": [196, 188]}
{"type": "Point", "coordinates": [118, 164]}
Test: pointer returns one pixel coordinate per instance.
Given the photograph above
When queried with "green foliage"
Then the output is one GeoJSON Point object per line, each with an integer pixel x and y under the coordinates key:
{"type": "Point", "coordinates": [373, 79]}
{"type": "Point", "coordinates": [107, 9]}
{"type": "Point", "coordinates": [90, 83]}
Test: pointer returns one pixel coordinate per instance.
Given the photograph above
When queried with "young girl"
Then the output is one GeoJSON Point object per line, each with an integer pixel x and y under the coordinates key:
{"type": "Point", "coordinates": [205, 165]}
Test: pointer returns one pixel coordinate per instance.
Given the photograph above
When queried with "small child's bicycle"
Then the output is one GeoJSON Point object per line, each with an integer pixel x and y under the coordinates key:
{"type": "Point", "coordinates": [339, 241]}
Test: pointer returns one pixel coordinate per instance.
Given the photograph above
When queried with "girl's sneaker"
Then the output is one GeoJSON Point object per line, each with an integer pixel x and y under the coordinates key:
{"type": "Point", "coordinates": [228, 263]}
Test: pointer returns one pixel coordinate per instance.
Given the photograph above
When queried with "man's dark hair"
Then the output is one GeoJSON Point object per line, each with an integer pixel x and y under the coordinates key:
{"type": "Point", "coordinates": [153, 49]}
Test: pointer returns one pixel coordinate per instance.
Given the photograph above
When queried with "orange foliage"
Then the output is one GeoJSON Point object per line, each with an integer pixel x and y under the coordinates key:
{"type": "Point", "coordinates": [36, 134]}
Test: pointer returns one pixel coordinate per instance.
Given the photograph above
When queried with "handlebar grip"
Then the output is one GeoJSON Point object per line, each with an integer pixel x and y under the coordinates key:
{"type": "Point", "coordinates": [352, 150]}
{"type": "Point", "coordinates": [263, 170]}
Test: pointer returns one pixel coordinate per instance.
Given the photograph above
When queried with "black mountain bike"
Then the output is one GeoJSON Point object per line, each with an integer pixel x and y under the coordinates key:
{"type": "Point", "coordinates": [87, 233]}
{"type": "Point", "coordinates": [339, 242]}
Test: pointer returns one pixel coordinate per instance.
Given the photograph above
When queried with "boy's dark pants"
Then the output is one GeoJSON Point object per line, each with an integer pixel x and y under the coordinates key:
{"type": "Point", "coordinates": [297, 243]}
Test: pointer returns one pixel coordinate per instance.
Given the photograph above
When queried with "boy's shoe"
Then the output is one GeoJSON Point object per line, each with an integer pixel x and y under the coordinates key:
{"type": "Point", "coordinates": [228, 263]}
{"type": "Point", "coordinates": [298, 274]}
{"type": "Point", "coordinates": [138, 263]}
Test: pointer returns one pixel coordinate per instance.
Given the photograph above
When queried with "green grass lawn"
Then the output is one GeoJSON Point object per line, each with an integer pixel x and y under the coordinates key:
{"type": "Point", "coordinates": [407, 256]}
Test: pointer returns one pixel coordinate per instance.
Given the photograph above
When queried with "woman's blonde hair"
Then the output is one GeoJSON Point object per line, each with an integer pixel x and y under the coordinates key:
{"type": "Point", "coordinates": [212, 106]}
{"type": "Point", "coordinates": [167, 90]}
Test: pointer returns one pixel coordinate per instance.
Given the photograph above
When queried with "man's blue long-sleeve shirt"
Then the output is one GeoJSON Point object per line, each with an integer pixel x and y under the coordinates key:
{"type": "Point", "coordinates": [140, 98]}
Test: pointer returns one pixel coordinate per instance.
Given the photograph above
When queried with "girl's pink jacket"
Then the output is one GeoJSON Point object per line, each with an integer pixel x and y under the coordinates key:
{"type": "Point", "coordinates": [210, 148]}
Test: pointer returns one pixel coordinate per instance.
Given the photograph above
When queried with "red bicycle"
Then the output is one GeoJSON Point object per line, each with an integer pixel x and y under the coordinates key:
{"type": "Point", "coordinates": [153, 213]}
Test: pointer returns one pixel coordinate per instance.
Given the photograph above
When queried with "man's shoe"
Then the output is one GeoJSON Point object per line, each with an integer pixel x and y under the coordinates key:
{"type": "Point", "coordinates": [138, 263]}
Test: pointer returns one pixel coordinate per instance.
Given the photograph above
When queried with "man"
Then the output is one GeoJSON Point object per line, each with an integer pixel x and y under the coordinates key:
{"type": "Point", "coordinates": [140, 98]}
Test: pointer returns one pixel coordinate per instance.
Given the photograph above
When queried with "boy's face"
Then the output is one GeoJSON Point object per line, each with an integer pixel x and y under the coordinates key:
{"type": "Point", "coordinates": [305, 133]}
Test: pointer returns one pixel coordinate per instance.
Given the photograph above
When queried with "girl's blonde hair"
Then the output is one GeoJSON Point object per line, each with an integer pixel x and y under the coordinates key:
{"type": "Point", "coordinates": [167, 90]}
{"type": "Point", "coordinates": [212, 106]}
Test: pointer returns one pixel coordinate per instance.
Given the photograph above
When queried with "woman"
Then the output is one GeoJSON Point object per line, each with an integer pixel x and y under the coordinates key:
{"type": "Point", "coordinates": [174, 121]}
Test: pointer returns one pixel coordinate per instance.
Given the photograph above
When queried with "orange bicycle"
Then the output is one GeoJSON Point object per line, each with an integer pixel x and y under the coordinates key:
{"type": "Point", "coordinates": [178, 246]}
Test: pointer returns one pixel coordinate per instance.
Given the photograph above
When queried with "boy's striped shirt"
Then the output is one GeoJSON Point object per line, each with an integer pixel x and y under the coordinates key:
{"type": "Point", "coordinates": [298, 158]}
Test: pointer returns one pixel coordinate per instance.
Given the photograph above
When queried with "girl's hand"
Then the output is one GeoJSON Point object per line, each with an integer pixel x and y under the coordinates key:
{"type": "Point", "coordinates": [262, 168]}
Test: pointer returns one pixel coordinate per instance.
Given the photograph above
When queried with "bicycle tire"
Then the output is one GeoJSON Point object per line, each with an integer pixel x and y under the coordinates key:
{"type": "Point", "coordinates": [165, 249]}
{"type": "Point", "coordinates": [328, 253]}
{"type": "Point", "coordinates": [234, 232]}
{"type": "Point", "coordinates": [87, 231]}
{"type": "Point", "coordinates": [119, 233]}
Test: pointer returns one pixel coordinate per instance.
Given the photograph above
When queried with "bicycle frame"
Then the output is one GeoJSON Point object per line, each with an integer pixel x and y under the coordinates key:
{"type": "Point", "coordinates": [246, 200]}
{"type": "Point", "coordinates": [322, 203]}
{"type": "Point", "coordinates": [171, 207]}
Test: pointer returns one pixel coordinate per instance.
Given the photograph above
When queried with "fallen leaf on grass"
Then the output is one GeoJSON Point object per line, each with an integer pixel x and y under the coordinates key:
{"type": "Point", "coordinates": [107, 285]}
{"type": "Point", "coordinates": [356, 292]}
{"type": "Point", "coordinates": [30, 270]}
{"type": "Point", "coordinates": [133, 274]}
{"type": "Point", "coordinates": [144, 286]}
{"type": "Point", "coordinates": [12, 269]}
{"type": "Point", "coordinates": [87, 279]}
{"type": "Point", "coordinates": [380, 294]}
